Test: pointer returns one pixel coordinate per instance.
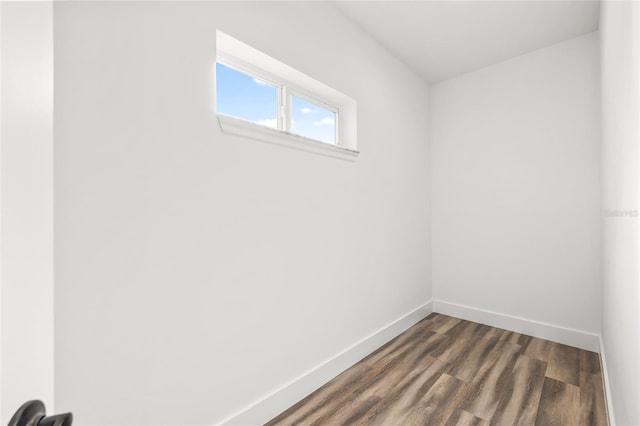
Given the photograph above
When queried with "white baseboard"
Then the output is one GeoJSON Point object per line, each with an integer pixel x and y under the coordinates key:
{"type": "Point", "coordinates": [607, 389]}
{"type": "Point", "coordinates": [288, 394]}
{"type": "Point", "coordinates": [577, 338]}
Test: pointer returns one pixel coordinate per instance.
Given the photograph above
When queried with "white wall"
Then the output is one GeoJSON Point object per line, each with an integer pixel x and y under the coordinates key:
{"type": "Point", "coordinates": [516, 188]}
{"type": "Point", "coordinates": [26, 227]}
{"type": "Point", "coordinates": [620, 45]}
{"type": "Point", "coordinates": [196, 272]}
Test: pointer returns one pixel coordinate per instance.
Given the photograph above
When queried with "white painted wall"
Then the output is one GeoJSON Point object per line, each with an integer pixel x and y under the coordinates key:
{"type": "Point", "coordinates": [620, 46]}
{"type": "Point", "coordinates": [26, 227]}
{"type": "Point", "coordinates": [195, 271]}
{"type": "Point", "coordinates": [516, 187]}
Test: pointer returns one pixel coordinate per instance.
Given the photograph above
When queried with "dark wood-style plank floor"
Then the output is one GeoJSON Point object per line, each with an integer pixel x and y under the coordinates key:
{"type": "Point", "coordinates": [447, 371]}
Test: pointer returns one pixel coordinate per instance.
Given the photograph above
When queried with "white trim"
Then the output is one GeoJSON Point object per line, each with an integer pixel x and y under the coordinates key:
{"type": "Point", "coordinates": [577, 338]}
{"type": "Point", "coordinates": [238, 127]}
{"type": "Point", "coordinates": [289, 393]}
{"type": "Point", "coordinates": [607, 388]}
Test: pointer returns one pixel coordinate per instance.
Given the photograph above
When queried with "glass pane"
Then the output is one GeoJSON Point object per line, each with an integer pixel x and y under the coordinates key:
{"type": "Point", "coordinates": [312, 121]}
{"type": "Point", "coordinates": [243, 96]}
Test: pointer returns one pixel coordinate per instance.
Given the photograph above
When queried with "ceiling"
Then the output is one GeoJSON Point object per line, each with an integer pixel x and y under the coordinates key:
{"type": "Point", "coordinates": [443, 39]}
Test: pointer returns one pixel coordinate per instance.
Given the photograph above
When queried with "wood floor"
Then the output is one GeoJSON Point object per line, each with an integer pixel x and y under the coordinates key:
{"type": "Point", "coordinates": [447, 371]}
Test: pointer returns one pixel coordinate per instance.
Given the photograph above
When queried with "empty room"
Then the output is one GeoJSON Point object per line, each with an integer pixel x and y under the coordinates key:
{"type": "Point", "coordinates": [319, 213]}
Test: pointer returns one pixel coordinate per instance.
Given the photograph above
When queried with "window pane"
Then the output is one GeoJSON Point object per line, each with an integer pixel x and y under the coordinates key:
{"type": "Point", "coordinates": [312, 121]}
{"type": "Point", "coordinates": [243, 96]}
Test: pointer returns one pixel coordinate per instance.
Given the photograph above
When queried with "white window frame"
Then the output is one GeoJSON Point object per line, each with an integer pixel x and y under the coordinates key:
{"type": "Point", "coordinates": [288, 82]}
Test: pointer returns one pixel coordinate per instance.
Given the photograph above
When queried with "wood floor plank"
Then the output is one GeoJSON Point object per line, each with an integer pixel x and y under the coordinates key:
{"type": "Point", "coordinates": [538, 348]}
{"type": "Point", "coordinates": [464, 418]}
{"type": "Point", "coordinates": [589, 362]}
{"type": "Point", "coordinates": [439, 403]}
{"type": "Point", "coordinates": [455, 347]}
{"type": "Point", "coordinates": [355, 416]}
{"type": "Point", "coordinates": [384, 377]}
{"type": "Point", "coordinates": [520, 397]}
{"type": "Point", "coordinates": [467, 364]}
{"type": "Point", "coordinates": [564, 364]}
{"type": "Point", "coordinates": [559, 404]}
{"type": "Point", "coordinates": [430, 345]}
{"type": "Point", "coordinates": [485, 392]}
{"type": "Point", "coordinates": [467, 329]}
{"type": "Point", "coordinates": [328, 397]}
{"type": "Point", "coordinates": [399, 344]}
{"type": "Point", "coordinates": [345, 407]}
{"type": "Point", "coordinates": [334, 401]}
{"type": "Point", "coordinates": [592, 406]}
{"type": "Point", "coordinates": [436, 318]}
{"type": "Point", "coordinates": [448, 371]}
{"type": "Point", "coordinates": [400, 399]}
{"type": "Point", "coordinates": [446, 325]}
{"type": "Point", "coordinates": [515, 338]}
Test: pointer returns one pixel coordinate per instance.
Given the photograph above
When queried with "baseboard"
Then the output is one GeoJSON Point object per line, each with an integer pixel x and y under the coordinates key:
{"type": "Point", "coordinates": [288, 394]}
{"type": "Point", "coordinates": [577, 338]}
{"type": "Point", "coordinates": [607, 389]}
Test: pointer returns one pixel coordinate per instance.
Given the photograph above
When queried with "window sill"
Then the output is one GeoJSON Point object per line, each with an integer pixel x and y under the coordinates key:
{"type": "Point", "coordinates": [237, 127]}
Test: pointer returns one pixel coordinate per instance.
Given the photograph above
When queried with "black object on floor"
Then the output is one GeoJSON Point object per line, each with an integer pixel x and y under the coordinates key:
{"type": "Point", "coordinates": [32, 413]}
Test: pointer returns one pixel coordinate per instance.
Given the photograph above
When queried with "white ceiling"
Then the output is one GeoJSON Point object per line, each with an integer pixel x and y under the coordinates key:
{"type": "Point", "coordinates": [443, 39]}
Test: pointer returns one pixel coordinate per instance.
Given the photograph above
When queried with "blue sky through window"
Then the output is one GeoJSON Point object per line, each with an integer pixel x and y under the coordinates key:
{"type": "Point", "coordinates": [312, 121]}
{"type": "Point", "coordinates": [243, 96]}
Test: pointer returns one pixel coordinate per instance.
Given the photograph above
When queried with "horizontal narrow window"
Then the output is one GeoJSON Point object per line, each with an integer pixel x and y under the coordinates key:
{"type": "Point", "coordinates": [254, 88]}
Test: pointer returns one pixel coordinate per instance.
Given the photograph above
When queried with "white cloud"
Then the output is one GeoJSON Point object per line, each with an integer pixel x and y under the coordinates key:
{"type": "Point", "coordinates": [269, 122]}
{"type": "Point", "coordinates": [260, 82]}
{"type": "Point", "coordinates": [306, 110]}
{"type": "Point", "coordinates": [326, 121]}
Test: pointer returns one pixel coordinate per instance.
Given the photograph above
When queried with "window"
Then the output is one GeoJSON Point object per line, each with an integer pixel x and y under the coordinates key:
{"type": "Point", "coordinates": [262, 98]}
{"type": "Point", "coordinates": [243, 96]}
{"type": "Point", "coordinates": [312, 120]}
